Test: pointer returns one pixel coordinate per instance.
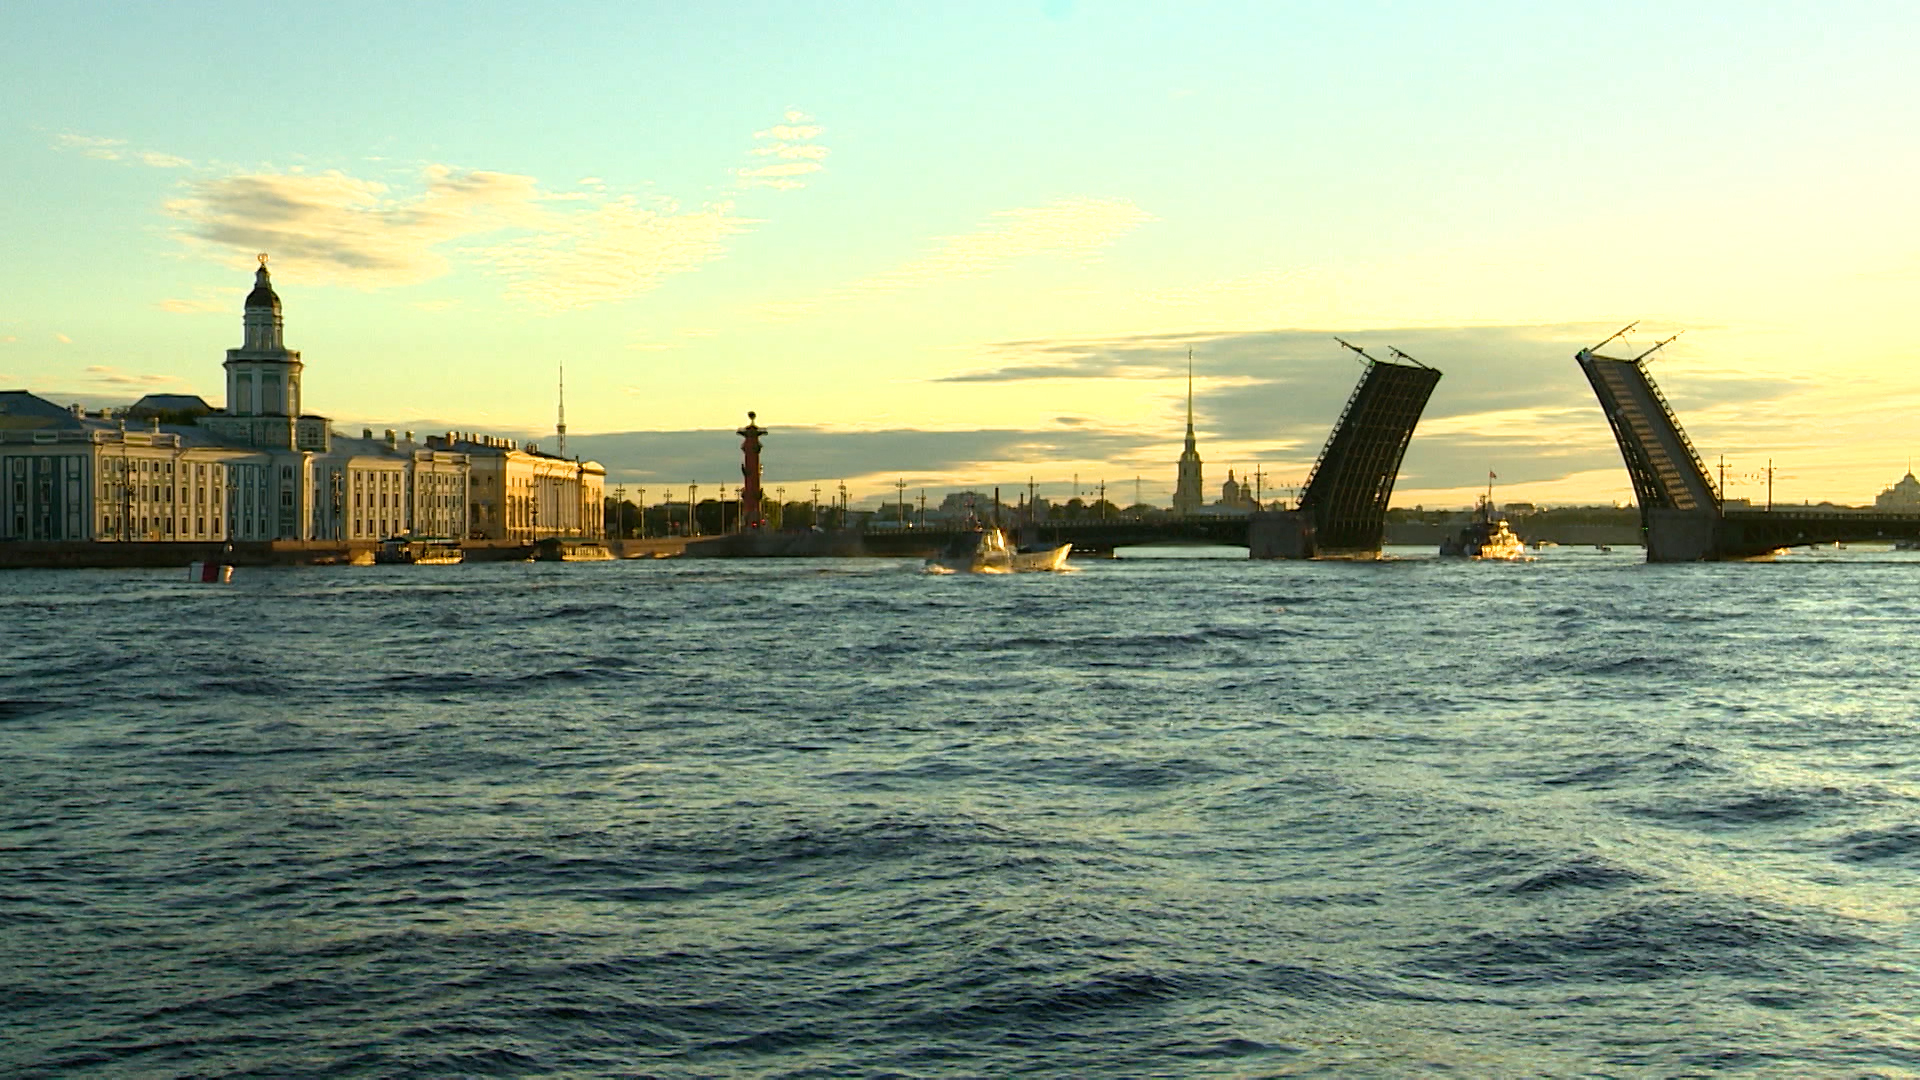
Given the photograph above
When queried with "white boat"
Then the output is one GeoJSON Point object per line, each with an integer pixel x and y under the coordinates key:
{"type": "Point", "coordinates": [986, 551]}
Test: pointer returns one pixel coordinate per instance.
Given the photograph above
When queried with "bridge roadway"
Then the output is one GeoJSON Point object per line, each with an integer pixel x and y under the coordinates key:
{"type": "Point", "coordinates": [1747, 534]}
{"type": "Point", "coordinates": [1093, 537]}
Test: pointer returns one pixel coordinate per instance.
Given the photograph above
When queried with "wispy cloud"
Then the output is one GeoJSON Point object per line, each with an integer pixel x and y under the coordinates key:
{"type": "Point", "coordinates": [331, 227]}
{"type": "Point", "coordinates": [554, 249]}
{"type": "Point", "coordinates": [112, 376]}
{"type": "Point", "coordinates": [793, 151]}
{"type": "Point", "coordinates": [1511, 396]}
{"type": "Point", "coordinates": [208, 300]}
{"type": "Point", "coordinates": [105, 149]}
{"type": "Point", "coordinates": [93, 146]}
{"type": "Point", "coordinates": [613, 251]}
{"type": "Point", "coordinates": [1069, 228]}
{"type": "Point", "coordinates": [808, 453]}
{"type": "Point", "coordinates": [63, 339]}
{"type": "Point", "coordinates": [337, 228]}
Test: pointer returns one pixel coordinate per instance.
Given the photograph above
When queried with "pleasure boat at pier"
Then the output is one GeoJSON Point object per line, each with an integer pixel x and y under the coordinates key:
{"type": "Point", "coordinates": [418, 551]}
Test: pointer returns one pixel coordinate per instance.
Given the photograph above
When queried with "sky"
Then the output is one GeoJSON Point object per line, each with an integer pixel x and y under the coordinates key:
{"type": "Point", "coordinates": [965, 245]}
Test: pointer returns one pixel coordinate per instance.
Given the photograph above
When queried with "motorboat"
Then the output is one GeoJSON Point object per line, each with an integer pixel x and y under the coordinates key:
{"type": "Point", "coordinates": [418, 551]}
{"type": "Point", "coordinates": [987, 551]}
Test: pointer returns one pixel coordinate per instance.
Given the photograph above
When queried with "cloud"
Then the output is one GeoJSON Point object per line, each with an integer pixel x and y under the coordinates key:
{"type": "Point", "coordinates": [92, 146]}
{"type": "Point", "coordinates": [336, 228]}
{"type": "Point", "coordinates": [791, 145]}
{"type": "Point", "coordinates": [333, 228]}
{"type": "Point", "coordinates": [209, 300]}
{"type": "Point", "coordinates": [113, 376]}
{"type": "Point", "coordinates": [9, 339]}
{"type": "Point", "coordinates": [806, 454]}
{"type": "Point", "coordinates": [104, 149]}
{"type": "Point", "coordinates": [1072, 228]}
{"type": "Point", "coordinates": [63, 339]}
{"type": "Point", "coordinates": [612, 252]}
{"type": "Point", "coordinates": [1510, 397]}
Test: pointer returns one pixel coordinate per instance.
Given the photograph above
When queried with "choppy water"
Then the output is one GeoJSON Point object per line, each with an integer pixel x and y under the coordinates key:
{"type": "Point", "coordinates": [1580, 817]}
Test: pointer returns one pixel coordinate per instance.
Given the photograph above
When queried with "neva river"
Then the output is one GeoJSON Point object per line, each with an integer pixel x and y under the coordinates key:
{"type": "Point", "coordinates": [1158, 817]}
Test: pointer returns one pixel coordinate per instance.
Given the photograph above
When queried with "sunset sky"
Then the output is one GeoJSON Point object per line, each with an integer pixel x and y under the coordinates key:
{"type": "Point", "coordinates": [965, 244]}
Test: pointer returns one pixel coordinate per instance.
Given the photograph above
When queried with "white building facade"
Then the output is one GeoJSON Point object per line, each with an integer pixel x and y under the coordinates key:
{"type": "Point", "coordinates": [262, 470]}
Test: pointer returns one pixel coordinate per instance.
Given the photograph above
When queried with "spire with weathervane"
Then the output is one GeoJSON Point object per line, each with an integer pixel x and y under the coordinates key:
{"type": "Point", "coordinates": [1187, 496]}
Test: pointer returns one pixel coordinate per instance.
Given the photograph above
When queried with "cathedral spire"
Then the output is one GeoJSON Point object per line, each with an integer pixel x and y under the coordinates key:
{"type": "Point", "coordinates": [560, 428]}
{"type": "Point", "coordinates": [1189, 396]}
{"type": "Point", "coordinates": [1187, 497]}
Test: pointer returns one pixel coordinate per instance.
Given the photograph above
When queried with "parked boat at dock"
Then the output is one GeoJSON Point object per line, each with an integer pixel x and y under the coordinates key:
{"type": "Point", "coordinates": [418, 551]}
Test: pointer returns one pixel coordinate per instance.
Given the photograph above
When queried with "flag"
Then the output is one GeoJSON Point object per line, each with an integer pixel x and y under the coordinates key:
{"type": "Point", "coordinates": [1491, 476]}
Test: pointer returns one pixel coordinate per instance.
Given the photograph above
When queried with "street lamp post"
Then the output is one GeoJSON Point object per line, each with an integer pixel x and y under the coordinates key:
{"type": "Point", "coordinates": [693, 523]}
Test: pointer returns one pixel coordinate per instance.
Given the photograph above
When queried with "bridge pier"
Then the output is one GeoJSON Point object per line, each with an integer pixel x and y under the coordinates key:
{"type": "Point", "coordinates": [1281, 534]}
{"type": "Point", "coordinates": [1682, 535]}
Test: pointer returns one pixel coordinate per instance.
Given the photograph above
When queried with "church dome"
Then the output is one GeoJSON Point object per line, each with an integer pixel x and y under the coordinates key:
{"type": "Point", "coordinates": [263, 295]}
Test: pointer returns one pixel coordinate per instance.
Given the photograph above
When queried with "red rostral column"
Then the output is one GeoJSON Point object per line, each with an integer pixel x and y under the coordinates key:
{"type": "Point", "coordinates": [750, 516]}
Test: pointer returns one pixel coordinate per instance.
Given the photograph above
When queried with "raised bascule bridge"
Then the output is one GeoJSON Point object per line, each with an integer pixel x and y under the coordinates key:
{"type": "Point", "coordinates": [1342, 511]}
{"type": "Point", "coordinates": [1682, 515]}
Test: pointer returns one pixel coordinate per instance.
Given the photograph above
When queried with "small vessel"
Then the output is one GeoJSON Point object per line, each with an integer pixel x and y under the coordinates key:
{"type": "Point", "coordinates": [986, 551]}
{"type": "Point", "coordinates": [418, 551]}
{"type": "Point", "coordinates": [1486, 536]}
{"type": "Point", "coordinates": [566, 549]}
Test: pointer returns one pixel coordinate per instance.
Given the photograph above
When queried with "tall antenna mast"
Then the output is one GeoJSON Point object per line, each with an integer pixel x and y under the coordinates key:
{"type": "Point", "coordinates": [561, 428]}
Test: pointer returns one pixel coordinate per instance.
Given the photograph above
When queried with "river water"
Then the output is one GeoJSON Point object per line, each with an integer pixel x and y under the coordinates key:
{"type": "Point", "coordinates": [1156, 817]}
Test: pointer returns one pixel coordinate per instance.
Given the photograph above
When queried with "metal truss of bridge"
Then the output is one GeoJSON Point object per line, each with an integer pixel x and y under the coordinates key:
{"type": "Point", "coordinates": [1342, 511]}
{"type": "Point", "coordinates": [1681, 511]}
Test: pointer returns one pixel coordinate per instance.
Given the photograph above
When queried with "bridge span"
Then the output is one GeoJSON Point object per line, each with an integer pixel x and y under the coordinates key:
{"type": "Point", "coordinates": [1683, 517]}
{"type": "Point", "coordinates": [1342, 511]}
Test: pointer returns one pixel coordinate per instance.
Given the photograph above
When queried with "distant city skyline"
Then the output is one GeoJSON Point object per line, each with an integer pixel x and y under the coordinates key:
{"type": "Point", "coordinates": [964, 246]}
